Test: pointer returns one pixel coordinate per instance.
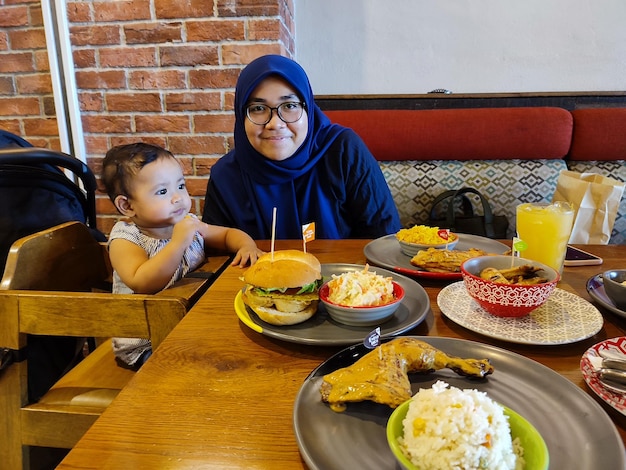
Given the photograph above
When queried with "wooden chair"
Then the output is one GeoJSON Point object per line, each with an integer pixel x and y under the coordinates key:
{"type": "Point", "coordinates": [48, 289]}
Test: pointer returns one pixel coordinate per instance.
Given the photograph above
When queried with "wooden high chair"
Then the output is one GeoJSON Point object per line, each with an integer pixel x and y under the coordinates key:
{"type": "Point", "coordinates": [48, 289]}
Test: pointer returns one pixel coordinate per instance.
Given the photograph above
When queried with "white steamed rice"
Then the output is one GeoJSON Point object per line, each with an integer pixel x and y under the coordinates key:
{"type": "Point", "coordinates": [449, 428]}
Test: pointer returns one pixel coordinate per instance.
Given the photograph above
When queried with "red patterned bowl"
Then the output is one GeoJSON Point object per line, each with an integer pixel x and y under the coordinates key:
{"type": "Point", "coordinates": [507, 300]}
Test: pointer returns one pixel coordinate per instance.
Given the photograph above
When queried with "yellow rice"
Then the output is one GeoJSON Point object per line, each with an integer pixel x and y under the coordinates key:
{"type": "Point", "coordinates": [423, 234]}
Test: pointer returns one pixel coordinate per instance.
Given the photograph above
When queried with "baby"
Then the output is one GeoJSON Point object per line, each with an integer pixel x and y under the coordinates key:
{"type": "Point", "coordinates": [161, 241]}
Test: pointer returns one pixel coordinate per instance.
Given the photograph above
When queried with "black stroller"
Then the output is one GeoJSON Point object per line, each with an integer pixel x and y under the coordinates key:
{"type": "Point", "coordinates": [36, 194]}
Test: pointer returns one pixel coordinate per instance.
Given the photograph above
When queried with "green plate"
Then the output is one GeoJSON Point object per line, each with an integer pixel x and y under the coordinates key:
{"type": "Point", "coordinates": [535, 449]}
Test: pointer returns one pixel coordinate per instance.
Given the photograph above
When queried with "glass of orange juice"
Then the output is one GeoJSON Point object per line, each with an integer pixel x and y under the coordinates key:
{"type": "Point", "coordinates": [546, 228]}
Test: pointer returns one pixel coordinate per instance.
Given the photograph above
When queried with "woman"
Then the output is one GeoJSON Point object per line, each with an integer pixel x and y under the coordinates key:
{"type": "Point", "coordinates": [288, 155]}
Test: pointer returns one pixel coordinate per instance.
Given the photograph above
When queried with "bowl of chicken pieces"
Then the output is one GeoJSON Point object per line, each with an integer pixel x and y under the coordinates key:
{"type": "Point", "coordinates": [507, 286]}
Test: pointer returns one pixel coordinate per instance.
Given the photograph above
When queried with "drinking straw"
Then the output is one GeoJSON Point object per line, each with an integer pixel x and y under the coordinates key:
{"type": "Point", "coordinates": [273, 232]}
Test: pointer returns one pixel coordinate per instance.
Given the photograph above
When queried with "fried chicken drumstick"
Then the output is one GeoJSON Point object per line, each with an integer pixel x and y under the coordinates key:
{"type": "Point", "coordinates": [381, 375]}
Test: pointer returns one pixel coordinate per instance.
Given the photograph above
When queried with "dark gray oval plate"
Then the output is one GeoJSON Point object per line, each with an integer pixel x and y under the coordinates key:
{"type": "Point", "coordinates": [386, 252]}
{"type": "Point", "coordinates": [595, 288]}
{"type": "Point", "coordinates": [578, 432]}
{"type": "Point", "coordinates": [321, 330]}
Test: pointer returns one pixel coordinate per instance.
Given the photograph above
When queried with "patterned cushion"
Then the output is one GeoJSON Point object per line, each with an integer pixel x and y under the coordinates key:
{"type": "Point", "coordinates": [614, 169]}
{"type": "Point", "coordinates": [505, 183]}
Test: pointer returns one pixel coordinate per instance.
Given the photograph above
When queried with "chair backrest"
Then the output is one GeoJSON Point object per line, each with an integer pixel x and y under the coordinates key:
{"type": "Point", "coordinates": [63, 258]}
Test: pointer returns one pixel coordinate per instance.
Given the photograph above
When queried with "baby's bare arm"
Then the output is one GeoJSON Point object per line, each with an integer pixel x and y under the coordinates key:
{"type": "Point", "coordinates": [146, 275]}
{"type": "Point", "coordinates": [232, 240]}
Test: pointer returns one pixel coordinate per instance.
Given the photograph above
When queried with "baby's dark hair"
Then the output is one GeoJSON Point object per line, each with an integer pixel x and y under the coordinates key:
{"type": "Point", "coordinates": [123, 162]}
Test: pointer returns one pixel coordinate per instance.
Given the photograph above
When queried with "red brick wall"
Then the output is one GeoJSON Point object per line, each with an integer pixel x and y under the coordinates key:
{"type": "Point", "coordinates": [159, 71]}
{"type": "Point", "coordinates": [26, 101]}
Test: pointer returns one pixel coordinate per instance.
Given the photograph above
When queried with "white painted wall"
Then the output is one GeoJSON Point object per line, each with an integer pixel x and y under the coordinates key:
{"type": "Point", "coordinates": [467, 46]}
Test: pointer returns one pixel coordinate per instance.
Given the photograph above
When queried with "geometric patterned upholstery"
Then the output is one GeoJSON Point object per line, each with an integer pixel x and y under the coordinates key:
{"type": "Point", "coordinates": [414, 184]}
{"type": "Point", "coordinates": [615, 169]}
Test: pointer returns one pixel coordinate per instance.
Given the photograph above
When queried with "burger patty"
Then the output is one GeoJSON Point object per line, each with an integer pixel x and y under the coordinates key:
{"type": "Point", "coordinates": [284, 302]}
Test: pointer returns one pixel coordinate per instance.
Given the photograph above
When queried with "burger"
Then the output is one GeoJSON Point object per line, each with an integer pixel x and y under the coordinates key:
{"type": "Point", "coordinates": [283, 288]}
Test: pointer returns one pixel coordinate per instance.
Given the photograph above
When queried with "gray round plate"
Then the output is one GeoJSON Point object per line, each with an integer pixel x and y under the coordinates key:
{"type": "Point", "coordinates": [386, 252]}
{"type": "Point", "coordinates": [578, 432]}
{"type": "Point", "coordinates": [321, 330]}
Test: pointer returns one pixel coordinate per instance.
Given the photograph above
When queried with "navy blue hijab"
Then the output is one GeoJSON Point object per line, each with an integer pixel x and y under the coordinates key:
{"type": "Point", "coordinates": [267, 183]}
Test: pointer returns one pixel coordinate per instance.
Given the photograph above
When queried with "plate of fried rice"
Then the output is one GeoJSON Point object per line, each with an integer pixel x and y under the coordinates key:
{"type": "Point", "coordinates": [445, 427]}
{"type": "Point", "coordinates": [577, 431]}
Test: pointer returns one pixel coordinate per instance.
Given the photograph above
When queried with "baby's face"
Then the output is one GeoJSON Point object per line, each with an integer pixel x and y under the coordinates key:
{"type": "Point", "coordinates": [159, 195]}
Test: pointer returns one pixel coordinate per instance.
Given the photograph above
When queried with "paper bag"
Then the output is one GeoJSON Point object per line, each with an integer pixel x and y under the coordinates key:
{"type": "Point", "coordinates": [596, 200]}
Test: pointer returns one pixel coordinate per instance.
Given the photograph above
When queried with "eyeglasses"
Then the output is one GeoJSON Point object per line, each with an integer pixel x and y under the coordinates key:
{"type": "Point", "coordinates": [288, 112]}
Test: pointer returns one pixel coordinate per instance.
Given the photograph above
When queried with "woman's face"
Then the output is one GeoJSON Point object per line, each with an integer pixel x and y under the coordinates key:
{"type": "Point", "coordinates": [276, 140]}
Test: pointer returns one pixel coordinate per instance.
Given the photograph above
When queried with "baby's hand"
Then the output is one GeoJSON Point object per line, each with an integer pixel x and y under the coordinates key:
{"type": "Point", "coordinates": [185, 230]}
{"type": "Point", "coordinates": [246, 255]}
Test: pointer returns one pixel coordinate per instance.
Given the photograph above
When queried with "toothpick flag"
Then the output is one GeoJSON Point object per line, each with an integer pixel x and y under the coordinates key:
{"type": "Point", "coordinates": [372, 340]}
{"type": "Point", "coordinates": [518, 246]}
{"type": "Point", "coordinates": [445, 234]}
{"type": "Point", "coordinates": [308, 234]}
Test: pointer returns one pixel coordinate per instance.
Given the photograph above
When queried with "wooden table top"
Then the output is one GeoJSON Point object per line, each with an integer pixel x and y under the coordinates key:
{"type": "Point", "coordinates": [218, 395]}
